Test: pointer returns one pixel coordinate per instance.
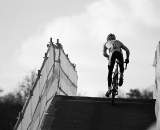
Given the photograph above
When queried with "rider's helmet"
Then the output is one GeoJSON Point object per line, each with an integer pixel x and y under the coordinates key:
{"type": "Point", "coordinates": [111, 37]}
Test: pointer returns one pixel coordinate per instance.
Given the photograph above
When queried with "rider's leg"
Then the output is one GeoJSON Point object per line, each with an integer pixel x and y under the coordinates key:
{"type": "Point", "coordinates": [121, 66]}
{"type": "Point", "coordinates": [110, 69]}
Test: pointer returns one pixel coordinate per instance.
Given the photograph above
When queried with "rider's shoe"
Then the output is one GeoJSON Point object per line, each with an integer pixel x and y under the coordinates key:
{"type": "Point", "coordinates": [108, 93]}
{"type": "Point", "coordinates": [121, 80]}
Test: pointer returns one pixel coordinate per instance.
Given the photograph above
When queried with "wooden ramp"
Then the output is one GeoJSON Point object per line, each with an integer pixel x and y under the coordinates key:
{"type": "Point", "coordinates": [89, 113]}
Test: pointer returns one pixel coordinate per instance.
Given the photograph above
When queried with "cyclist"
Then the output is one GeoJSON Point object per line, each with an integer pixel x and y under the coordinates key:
{"type": "Point", "coordinates": [112, 50]}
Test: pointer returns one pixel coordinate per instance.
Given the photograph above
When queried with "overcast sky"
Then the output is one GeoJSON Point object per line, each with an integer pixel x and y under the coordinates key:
{"type": "Point", "coordinates": [82, 27]}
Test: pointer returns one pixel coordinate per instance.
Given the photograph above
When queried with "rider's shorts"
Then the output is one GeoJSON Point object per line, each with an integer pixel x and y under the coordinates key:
{"type": "Point", "coordinates": [115, 55]}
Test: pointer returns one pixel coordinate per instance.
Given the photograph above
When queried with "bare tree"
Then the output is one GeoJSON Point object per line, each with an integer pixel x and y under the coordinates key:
{"type": "Point", "coordinates": [136, 93]}
{"type": "Point", "coordinates": [26, 85]}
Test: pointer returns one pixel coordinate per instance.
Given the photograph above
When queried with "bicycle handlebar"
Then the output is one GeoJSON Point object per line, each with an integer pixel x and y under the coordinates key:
{"type": "Point", "coordinates": [125, 65]}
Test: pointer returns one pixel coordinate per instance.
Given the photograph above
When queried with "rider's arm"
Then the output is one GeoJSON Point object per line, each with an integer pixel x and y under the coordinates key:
{"type": "Point", "coordinates": [127, 50]}
{"type": "Point", "coordinates": [105, 51]}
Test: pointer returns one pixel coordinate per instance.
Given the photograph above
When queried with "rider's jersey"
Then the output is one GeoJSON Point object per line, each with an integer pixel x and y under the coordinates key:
{"type": "Point", "coordinates": [115, 45]}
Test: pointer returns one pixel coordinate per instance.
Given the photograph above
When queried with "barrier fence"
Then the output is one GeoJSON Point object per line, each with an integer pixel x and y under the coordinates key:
{"type": "Point", "coordinates": [156, 94]}
{"type": "Point", "coordinates": [57, 76]}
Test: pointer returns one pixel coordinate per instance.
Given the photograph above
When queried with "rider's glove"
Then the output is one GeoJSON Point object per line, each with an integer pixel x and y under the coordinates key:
{"type": "Point", "coordinates": [127, 61]}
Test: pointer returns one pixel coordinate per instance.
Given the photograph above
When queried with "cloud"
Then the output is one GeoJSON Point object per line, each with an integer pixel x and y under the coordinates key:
{"type": "Point", "coordinates": [32, 51]}
{"type": "Point", "coordinates": [83, 35]}
{"type": "Point", "coordinates": [146, 11]}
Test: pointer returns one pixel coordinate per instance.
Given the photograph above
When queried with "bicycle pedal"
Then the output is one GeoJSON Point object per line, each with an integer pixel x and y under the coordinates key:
{"type": "Point", "coordinates": [115, 91]}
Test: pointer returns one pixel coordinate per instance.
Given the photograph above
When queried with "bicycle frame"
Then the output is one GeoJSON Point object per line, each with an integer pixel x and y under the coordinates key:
{"type": "Point", "coordinates": [115, 80]}
{"type": "Point", "coordinates": [115, 76]}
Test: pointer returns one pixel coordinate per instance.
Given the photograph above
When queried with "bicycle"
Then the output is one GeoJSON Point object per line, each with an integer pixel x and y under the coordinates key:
{"type": "Point", "coordinates": [115, 80]}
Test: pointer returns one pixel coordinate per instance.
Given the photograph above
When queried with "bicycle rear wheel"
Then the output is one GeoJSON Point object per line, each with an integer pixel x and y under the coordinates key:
{"type": "Point", "coordinates": [114, 87]}
{"type": "Point", "coordinates": [113, 95]}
